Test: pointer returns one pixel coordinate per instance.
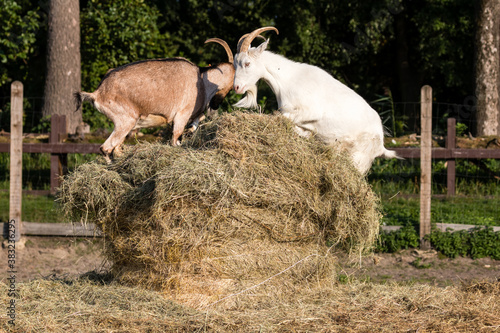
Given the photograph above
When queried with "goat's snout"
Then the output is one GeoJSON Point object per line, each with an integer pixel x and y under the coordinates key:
{"type": "Point", "coordinates": [239, 88]}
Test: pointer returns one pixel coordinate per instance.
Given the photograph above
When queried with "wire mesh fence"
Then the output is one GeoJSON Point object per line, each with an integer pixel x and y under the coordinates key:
{"type": "Point", "coordinates": [397, 182]}
{"type": "Point", "coordinates": [476, 196]}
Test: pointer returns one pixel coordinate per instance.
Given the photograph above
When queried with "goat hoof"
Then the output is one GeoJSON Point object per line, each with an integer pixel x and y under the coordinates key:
{"type": "Point", "coordinates": [117, 152]}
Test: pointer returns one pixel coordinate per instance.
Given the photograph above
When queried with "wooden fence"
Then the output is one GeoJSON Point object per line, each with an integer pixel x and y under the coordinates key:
{"type": "Point", "coordinates": [56, 148]}
{"type": "Point", "coordinates": [59, 152]}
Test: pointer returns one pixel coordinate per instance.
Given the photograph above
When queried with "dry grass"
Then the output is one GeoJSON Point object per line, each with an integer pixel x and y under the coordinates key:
{"type": "Point", "coordinates": [85, 306]}
{"type": "Point", "coordinates": [241, 201]}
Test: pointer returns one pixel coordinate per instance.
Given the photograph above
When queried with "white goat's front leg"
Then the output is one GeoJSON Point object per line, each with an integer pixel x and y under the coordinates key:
{"type": "Point", "coordinates": [302, 132]}
{"type": "Point", "coordinates": [115, 140]}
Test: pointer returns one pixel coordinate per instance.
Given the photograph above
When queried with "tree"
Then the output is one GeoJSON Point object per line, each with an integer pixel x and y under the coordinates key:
{"type": "Point", "coordinates": [487, 67]}
{"type": "Point", "coordinates": [373, 47]}
{"type": "Point", "coordinates": [114, 33]}
{"type": "Point", "coordinates": [17, 38]}
{"type": "Point", "coordinates": [63, 62]}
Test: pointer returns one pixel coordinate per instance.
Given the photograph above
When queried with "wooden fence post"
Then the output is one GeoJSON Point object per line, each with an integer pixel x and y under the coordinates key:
{"type": "Point", "coordinates": [425, 165]}
{"type": "Point", "coordinates": [16, 157]}
{"type": "Point", "coordinates": [58, 162]}
{"type": "Point", "coordinates": [450, 163]}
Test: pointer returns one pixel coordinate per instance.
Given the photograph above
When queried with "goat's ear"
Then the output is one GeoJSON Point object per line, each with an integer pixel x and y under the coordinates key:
{"type": "Point", "coordinates": [259, 49]}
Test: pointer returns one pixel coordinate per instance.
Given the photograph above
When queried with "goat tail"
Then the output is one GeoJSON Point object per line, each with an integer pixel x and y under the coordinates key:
{"type": "Point", "coordinates": [82, 96]}
{"type": "Point", "coordinates": [390, 154]}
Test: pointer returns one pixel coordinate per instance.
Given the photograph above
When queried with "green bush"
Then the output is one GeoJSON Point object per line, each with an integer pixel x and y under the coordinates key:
{"type": "Point", "coordinates": [451, 244]}
{"type": "Point", "coordinates": [477, 243]}
{"type": "Point", "coordinates": [485, 243]}
{"type": "Point", "coordinates": [404, 238]}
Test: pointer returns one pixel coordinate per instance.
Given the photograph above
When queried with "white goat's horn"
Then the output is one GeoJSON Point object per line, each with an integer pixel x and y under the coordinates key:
{"type": "Point", "coordinates": [251, 36]}
{"type": "Point", "coordinates": [226, 47]}
{"type": "Point", "coordinates": [243, 38]}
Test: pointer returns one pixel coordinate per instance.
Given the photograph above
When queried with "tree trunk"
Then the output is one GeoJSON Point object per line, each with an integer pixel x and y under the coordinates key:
{"type": "Point", "coordinates": [487, 67]}
{"type": "Point", "coordinates": [63, 62]}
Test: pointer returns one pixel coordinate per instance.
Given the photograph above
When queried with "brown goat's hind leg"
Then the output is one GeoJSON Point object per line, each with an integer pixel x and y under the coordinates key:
{"type": "Point", "coordinates": [105, 155]}
{"type": "Point", "coordinates": [115, 140]}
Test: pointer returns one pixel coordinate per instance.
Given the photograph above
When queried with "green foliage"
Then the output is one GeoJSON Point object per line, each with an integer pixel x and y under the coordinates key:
{"type": "Point", "coordinates": [115, 33]}
{"type": "Point", "coordinates": [400, 211]}
{"type": "Point", "coordinates": [460, 210]}
{"type": "Point", "coordinates": [343, 278]}
{"type": "Point", "coordinates": [43, 125]}
{"type": "Point", "coordinates": [385, 107]}
{"type": "Point", "coordinates": [461, 129]}
{"type": "Point", "coordinates": [476, 243]}
{"type": "Point", "coordinates": [451, 244]}
{"type": "Point", "coordinates": [485, 243]}
{"type": "Point", "coordinates": [19, 24]}
{"type": "Point", "coordinates": [417, 263]}
{"type": "Point", "coordinates": [443, 31]}
{"type": "Point", "coordinates": [404, 238]}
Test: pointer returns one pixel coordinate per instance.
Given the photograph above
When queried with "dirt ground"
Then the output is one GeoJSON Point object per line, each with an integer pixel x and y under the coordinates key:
{"type": "Point", "coordinates": [49, 257]}
{"type": "Point", "coordinates": [427, 267]}
{"type": "Point", "coordinates": [63, 257]}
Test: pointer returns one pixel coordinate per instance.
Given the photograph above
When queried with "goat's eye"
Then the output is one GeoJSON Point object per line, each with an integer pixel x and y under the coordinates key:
{"type": "Point", "coordinates": [247, 64]}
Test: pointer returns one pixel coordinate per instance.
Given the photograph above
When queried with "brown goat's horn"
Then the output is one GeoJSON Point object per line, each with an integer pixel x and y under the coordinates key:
{"type": "Point", "coordinates": [226, 47]}
{"type": "Point", "coordinates": [251, 36]}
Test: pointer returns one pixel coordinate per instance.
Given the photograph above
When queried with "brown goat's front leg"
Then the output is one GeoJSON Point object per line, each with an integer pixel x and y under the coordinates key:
{"type": "Point", "coordinates": [115, 140]}
{"type": "Point", "coordinates": [180, 121]}
{"type": "Point", "coordinates": [195, 123]}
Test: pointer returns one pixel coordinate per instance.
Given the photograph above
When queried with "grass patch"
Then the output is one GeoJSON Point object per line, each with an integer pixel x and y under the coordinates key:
{"type": "Point", "coordinates": [455, 210]}
{"type": "Point", "coordinates": [35, 208]}
{"type": "Point", "coordinates": [389, 177]}
{"type": "Point", "coordinates": [417, 263]}
{"type": "Point", "coordinates": [36, 169]}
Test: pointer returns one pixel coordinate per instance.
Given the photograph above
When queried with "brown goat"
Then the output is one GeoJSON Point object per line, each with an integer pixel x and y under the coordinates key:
{"type": "Point", "coordinates": [153, 93]}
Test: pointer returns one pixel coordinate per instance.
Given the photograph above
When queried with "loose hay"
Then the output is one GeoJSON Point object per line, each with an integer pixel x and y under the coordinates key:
{"type": "Point", "coordinates": [86, 306]}
{"type": "Point", "coordinates": [244, 199]}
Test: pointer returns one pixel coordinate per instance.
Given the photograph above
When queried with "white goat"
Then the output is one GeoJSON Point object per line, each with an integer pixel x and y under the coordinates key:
{"type": "Point", "coordinates": [152, 93]}
{"type": "Point", "coordinates": [315, 101]}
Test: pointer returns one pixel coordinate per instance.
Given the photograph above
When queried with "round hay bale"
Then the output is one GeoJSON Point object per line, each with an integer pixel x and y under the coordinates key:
{"type": "Point", "coordinates": [244, 199]}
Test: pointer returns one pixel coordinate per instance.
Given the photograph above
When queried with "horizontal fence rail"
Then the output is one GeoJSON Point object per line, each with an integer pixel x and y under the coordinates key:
{"type": "Point", "coordinates": [58, 229]}
{"type": "Point", "coordinates": [59, 151]}
{"type": "Point", "coordinates": [55, 148]}
{"type": "Point", "coordinates": [90, 230]}
{"type": "Point", "coordinates": [447, 153]}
